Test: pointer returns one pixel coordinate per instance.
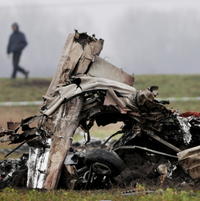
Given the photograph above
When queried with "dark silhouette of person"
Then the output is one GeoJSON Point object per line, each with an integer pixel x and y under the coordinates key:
{"type": "Point", "coordinates": [17, 43]}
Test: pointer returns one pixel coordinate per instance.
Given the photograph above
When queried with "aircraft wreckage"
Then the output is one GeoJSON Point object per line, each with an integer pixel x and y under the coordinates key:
{"type": "Point", "coordinates": [156, 144]}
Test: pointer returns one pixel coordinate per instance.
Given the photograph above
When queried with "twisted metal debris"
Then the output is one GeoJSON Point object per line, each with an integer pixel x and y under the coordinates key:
{"type": "Point", "coordinates": [86, 90]}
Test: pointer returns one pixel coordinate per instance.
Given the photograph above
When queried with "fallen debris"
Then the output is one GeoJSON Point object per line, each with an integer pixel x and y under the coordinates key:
{"type": "Point", "coordinates": [156, 145]}
{"type": "Point", "coordinates": [189, 159]}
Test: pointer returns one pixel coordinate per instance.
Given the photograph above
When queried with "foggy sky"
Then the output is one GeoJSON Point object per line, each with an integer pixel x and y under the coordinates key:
{"type": "Point", "coordinates": [141, 36]}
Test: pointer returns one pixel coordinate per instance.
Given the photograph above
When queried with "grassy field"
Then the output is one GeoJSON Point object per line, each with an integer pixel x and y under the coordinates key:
{"type": "Point", "coordinates": [170, 86]}
{"type": "Point", "coordinates": [23, 90]}
{"type": "Point", "coordinates": [112, 195]}
{"type": "Point", "coordinates": [33, 89]}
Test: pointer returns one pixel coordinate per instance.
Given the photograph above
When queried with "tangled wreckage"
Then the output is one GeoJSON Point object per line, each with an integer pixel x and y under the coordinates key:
{"type": "Point", "coordinates": [155, 144]}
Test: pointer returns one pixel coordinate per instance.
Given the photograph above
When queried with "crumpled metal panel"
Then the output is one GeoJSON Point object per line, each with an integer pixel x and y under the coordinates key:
{"type": "Point", "coordinates": [189, 159]}
{"type": "Point", "coordinates": [104, 69]}
{"type": "Point", "coordinates": [89, 84]}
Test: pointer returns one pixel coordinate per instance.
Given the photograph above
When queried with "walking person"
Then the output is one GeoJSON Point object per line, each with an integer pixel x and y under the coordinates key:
{"type": "Point", "coordinates": [17, 43]}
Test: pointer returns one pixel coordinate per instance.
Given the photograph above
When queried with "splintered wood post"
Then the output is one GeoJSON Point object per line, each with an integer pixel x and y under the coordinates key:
{"type": "Point", "coordinates": [66, 124]}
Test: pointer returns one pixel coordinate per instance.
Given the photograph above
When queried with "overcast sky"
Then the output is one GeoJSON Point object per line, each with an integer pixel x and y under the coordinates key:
{"type": "Point", "coordinates": [141, 36]}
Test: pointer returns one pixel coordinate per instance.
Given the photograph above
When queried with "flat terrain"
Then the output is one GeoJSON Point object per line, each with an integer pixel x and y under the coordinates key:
{"type": "Point", "coordinates": [34, 89]}
{"type": "Point", "coordinates": [170, 86]}
{"type": "Point", "coordinates": [22, 90]}
{"type": "Point", "coordinates": [111, 195]}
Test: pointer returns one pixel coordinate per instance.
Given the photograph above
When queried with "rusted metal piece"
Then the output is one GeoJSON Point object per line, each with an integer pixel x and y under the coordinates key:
{"type": "Point", "coordinates": [189, 159]}
{"type": "Point", "coordinates": [12, 125]}
{"type": "Point", "coordinates": [145, 149]}
{"type": "Point", "coordinates": [171, 146]}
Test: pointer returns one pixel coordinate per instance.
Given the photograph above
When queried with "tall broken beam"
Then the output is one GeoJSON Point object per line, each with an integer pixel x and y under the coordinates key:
{"type": "Point", "coordinates": [79, 58]}
{"type": "Point", "coordinates": [76, 55]}
{"type": "Point", "coordinates": [66, 125]}
{"type": "Point", "coordinates": [79, 52]}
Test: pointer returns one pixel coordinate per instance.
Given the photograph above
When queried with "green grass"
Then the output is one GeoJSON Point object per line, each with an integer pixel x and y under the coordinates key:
{"type": "Point", "coordinates": [170, 86]}
{"type": "Point", "coordinates": [23, 90]}
{"type": "Point", "coordinates": [10, 194]}
{"type": "Point", "coordinates": [193, 106]}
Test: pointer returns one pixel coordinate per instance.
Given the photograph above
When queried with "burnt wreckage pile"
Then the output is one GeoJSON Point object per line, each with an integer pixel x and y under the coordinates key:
{"type": "Point", "coordinates": [156, 145]}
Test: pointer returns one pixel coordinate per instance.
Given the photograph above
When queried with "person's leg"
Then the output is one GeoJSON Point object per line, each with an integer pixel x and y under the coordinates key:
{"type": "Point", "coordinates": [19, 68]}
{"type": "Point", "coordinates": [15, 64]}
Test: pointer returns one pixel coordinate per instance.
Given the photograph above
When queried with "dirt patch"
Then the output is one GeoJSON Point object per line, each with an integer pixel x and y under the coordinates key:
{"type": "Point", "coordinates": [31, 83]}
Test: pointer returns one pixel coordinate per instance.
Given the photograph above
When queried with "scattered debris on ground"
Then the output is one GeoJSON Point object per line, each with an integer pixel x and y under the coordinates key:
{"type": "Point", "coordinates": [157, 146]}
